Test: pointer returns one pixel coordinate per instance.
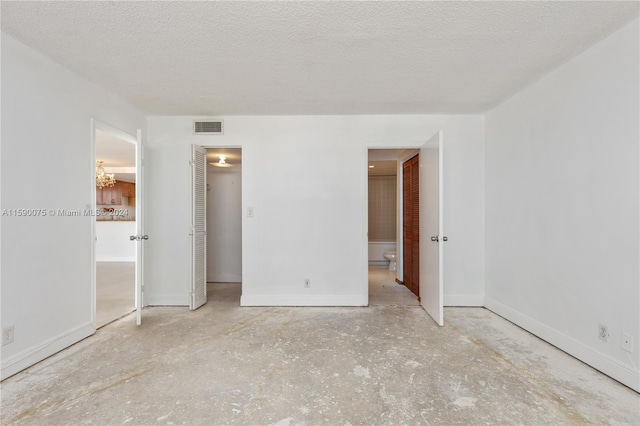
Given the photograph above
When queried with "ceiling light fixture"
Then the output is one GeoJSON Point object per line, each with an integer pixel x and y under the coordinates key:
{"type": "Point", "coordinates": [222, 162]}
{"type": "Point", "coordinates": [104, 179]}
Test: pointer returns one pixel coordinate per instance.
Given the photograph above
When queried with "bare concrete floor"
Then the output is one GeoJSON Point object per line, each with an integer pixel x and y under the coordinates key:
{"type": "Point", "coordinates": [115, 290]}
{"type": "Point", "coordinates": [223, 364]}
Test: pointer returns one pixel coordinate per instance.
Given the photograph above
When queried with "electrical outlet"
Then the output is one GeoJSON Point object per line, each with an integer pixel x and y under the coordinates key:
{"type": "Point", "coordinates": [7, 335]}
{"type": "Point", "coordinates": [603, 332]}
{"type": "Point", "coordinates": [627, 342]}
{"type": "Point", "coordinates": [307, 283]}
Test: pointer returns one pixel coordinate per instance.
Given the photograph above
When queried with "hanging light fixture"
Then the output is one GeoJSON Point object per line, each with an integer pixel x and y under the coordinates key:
{"type": "Point", "coordinates": [104, 179]}
{"type": "Point", "coordinates": [222, 162]}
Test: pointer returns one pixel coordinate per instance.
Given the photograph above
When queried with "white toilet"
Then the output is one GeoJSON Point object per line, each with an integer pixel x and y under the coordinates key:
{"type": "Point", "coordinates": [391, 257]}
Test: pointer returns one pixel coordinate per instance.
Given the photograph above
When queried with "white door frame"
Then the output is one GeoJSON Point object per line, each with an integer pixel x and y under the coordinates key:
{"type": "Point", "coordinates": [242, 192]}
{"type": "Point", "coordinates": [120, 134]}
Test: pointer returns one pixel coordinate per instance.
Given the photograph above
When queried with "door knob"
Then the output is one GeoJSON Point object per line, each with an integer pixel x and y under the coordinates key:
{"type": "Point", "coordinates": [445, 238]}
{"type": "Point", "coordinates": [132, 237]}
{"type": "Point", "coordinates": [145, 237]}
{"type": "Point", "coordinates": [434, 238]}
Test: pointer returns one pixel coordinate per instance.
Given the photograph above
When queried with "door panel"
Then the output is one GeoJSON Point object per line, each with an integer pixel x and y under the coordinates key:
{"type": "Point", "coordinates": [139, 194]}
{"type": "Point", "coordinates": [198, 227]}
{"type": "Point", "coordinates": [431, 219]}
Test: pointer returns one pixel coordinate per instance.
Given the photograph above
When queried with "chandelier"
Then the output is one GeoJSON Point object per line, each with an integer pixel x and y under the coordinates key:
{"type": "Point", "coordinates": [104, 179]}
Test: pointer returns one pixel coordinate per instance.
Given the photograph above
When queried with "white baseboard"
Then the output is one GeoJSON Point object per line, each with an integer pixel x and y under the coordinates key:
{"type": "Point", "coordinates": [37, 353]}
{"type": "Point", "coordinates": [224, 278]}
{"type": "Point", "coordinates": [115, 259]}
{"type": "Point", "coordinates": [167, 300]}
{"type": "Point", "coordinates": [301, 300]}
{"type": "Point", "coordinates": [602, 362]}
{"type": "Point", "coordinates": [464, 300]}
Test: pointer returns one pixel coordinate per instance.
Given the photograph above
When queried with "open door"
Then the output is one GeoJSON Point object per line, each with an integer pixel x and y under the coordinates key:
{"type": "Point", "coordinates": [140, 235]}
{"type": "Point", "coordinates": [198, 227]}
{"type": "Point", "coordinates": [431, 226]}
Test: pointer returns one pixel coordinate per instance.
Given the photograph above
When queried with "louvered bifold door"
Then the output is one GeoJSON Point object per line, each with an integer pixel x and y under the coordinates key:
{"type": "Point", "coordinates": [415, 225]}
{"type": "Point", "coordinates": [198, 226]}
{"type": "Point", "coordinates": [411, 224]}
{"type": "Point", "coordinates": [407, 257]}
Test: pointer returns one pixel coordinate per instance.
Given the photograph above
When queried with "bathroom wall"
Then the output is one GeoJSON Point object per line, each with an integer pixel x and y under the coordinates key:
{"type": "Point", "coordinates": [382, 208]}
{"type": "Point", "coordinates": [382, 217]}
{"type": "Point", "coordinates": [224, 224]}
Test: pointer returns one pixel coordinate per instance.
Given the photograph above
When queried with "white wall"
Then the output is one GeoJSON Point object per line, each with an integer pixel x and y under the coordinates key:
{"type": "Point", "coordinates": [306, 178]}
{"type": "Point", "coordinates": [46, 261]}
{"type": "Point", "coordinates": [224, 224]}
{"type": "Point", "coordinates": [112, 241]}
{"type": "Point", "coordinates": [562, 206]}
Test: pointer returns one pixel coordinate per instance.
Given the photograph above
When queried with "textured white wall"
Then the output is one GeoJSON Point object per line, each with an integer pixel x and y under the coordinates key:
{"type": "Point", "coordinates": [562, 205]}
{"type": "Point", "coordinates": [306, 178]}
{"type": "Point", "coordinates": [47, 163]}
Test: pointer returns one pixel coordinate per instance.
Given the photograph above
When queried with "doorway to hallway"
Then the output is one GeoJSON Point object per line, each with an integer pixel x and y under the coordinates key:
{"type": "Point", "coordinates": [115, 221]}
{"type": "Point", "coordinates": [224, 220]}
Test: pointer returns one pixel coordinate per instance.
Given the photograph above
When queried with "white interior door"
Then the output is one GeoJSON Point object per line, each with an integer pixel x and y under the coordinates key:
{"type": "Point", "coordinates": [431, 228]}
{"type": "Point", "coordinates": [198, 226]}
{"type": "Point", "coordinates": [140, 235]}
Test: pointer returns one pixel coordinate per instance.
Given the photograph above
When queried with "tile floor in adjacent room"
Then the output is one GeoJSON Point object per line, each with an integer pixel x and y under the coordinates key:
{"type": "Point", "coordinates": [115, 290]}
{"type": "Point", "coordinates": [382, 364]}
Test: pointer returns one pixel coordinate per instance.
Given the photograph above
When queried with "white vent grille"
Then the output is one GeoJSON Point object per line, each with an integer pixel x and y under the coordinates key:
{"type": "Point", "coordinates": [207, 127]}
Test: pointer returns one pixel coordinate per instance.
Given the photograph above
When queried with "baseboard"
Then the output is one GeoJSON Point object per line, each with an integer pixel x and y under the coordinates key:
{"type": "Point", "coordinates": [602, 362]}
{"type": "Point", "coordinates": [224, 278]}
{"type": "Point", "coordinates": [115, 259]}
{"type": "Point", "coordinates": [464, 300]}
{"type": "Point", "coordinates": [167, 300]}
{"type": "Point", "coordinates": [18, 362]}
{"type": "Point", "coordinates": [301, 300]}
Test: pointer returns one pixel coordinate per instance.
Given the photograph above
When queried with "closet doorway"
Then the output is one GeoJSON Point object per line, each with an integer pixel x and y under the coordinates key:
{"type": "Point", "coordinates": [224, 222]}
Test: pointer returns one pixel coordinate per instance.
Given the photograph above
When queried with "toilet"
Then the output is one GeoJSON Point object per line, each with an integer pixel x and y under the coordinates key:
{"type": "Point", "coordinates": [391, 257]}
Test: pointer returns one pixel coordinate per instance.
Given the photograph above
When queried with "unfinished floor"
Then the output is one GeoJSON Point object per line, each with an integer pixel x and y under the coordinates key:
{"type": "Point", "coordinates": [384, 364]}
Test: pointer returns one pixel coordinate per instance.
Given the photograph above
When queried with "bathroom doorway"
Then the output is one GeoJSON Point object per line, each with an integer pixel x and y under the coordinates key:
{"type": "Point", "coordinates": [115, 221]}
{"type": "Point", "coordinates": [385, 262]}
{"type": "Point", "coordinates": [224, 223]}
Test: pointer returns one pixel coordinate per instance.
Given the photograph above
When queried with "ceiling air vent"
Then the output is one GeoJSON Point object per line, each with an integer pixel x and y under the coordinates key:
{"type": "Point", "coordinates": [207, 127]}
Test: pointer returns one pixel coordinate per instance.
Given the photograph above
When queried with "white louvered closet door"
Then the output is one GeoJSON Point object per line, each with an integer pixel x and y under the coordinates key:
{"type": "Point", "coordinates": [198, 226]}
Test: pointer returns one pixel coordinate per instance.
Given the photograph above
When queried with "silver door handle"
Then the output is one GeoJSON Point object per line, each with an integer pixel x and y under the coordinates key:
{"type": "Point", "coordinates": [132, 237]}
{"type": "Point", "coordinates": [145, 237]}
{"type": "Point", "coordinates": [434, 238]}
{"type": "Point", "coordinates": [445, 238]}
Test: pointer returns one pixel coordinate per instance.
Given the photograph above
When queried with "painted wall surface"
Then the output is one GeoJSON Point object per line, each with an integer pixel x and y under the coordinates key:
{"type": "Point", "coordinates": [306, 179]}
{"type": "Point", "coordinates": [46, 261]}
{"type": "Point", "coordinates": [562, 206]}
{"type": "Point", "coordinates": [112, 241]}
{"type": "Point", "coordinates": [224, 224]}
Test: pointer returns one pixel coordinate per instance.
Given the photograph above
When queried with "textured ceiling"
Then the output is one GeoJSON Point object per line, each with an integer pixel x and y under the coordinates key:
{"type": "Point", "coordinates": [235, 58]}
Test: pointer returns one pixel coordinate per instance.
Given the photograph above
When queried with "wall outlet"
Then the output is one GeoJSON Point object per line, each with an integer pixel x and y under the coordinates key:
{"type": "Point", "coordinates": [7, 335]}
{"type": "Point", "coordinates": [627, 342]}
{"type": "Point", "coordinates": [603, 332]}
{"type": "Point", "coordinates": [307, 283]}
